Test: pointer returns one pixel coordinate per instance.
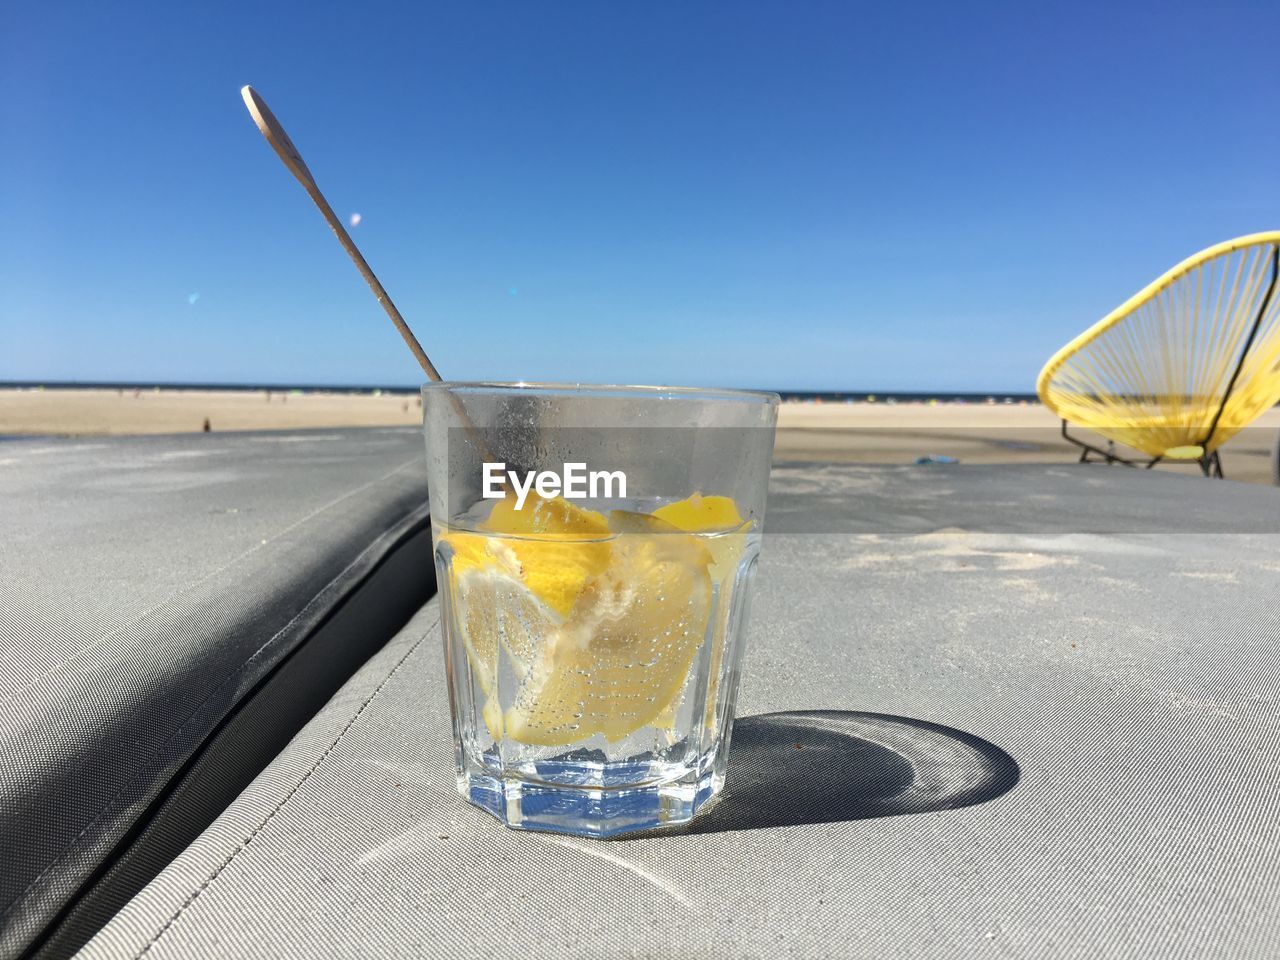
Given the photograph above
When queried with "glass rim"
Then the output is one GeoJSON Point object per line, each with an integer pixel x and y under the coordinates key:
{"type": "Point", "coordinates": [763, 397]}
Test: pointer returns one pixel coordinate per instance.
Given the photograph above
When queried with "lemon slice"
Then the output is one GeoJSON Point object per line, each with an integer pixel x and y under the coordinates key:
{"type": "Point", "coordinates": [499, 617]}
{"type": "Point", "coordinates": [491, 608]}
{"type": "Point", "coordinates": [623, 658]}
{"type": "Point", "coordinates": [699, 514]}
{"type": "Point", "coordinates": [557, 547]}
{"type": "Point", "coordinates": [515, 580]}
{"type": "Point", "coordinates": [550, 516]}
{"type": "Point", "coordinates": [600, 620]}
{"type": "Point", "coordinates": [715, 514]}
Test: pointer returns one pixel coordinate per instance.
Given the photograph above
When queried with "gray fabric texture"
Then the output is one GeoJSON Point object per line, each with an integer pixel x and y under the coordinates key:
{"type": "Point", "coordinates": [1067, 499]}
{"type": "Point", "coordinates": [951, 742]}
{"type": "Point", "coordinates": [146, 584]}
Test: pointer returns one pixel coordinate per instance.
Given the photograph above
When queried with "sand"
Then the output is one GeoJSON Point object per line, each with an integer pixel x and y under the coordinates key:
{"type": "Point", "coordinates": [976, 433]}
{"type": "Point", "coordinates": [858, 433]}
{"type": "Point", "coordinates": [98, 412]}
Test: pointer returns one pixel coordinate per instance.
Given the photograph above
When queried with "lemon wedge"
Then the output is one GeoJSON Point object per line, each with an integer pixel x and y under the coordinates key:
{"type": "Point", "coordinates": [557, 547]}
{"type": "Point", "coordinates": [492, 609]}
{"type": "Point", "coordinates": [697, 513]}
{"type": "Point", "coordinates": [715, 514]}
{"type": "Point", "coordinates": [623, 658]}
{"type": "Point", "coordinates": [599, 619]}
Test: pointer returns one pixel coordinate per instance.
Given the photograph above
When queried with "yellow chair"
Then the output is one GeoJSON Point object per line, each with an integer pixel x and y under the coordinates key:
{"type": "Point", "coordinates": [1182, 366]}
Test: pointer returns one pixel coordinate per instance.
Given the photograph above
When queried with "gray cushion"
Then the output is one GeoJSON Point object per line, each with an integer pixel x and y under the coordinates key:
{"type": "Point", "coordinates": [146, 586]}
{"type": "Point", "coordinates": [1016, 739]}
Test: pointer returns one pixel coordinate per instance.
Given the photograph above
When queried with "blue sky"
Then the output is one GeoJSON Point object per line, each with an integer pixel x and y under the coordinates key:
{"type": "Point", "coordinates": [808, 195]}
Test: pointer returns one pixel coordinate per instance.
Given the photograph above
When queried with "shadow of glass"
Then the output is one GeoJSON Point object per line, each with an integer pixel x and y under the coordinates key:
{"type": "Point", "coordinates": [828, 766]}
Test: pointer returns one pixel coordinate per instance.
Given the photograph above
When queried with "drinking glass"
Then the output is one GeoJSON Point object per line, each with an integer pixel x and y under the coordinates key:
{"type": "Point", "coordinates": [594, 548]}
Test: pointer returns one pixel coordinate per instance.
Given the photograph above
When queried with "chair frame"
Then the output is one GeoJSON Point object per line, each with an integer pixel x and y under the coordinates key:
{"type": "Point", "coordinates": [1210, 462]}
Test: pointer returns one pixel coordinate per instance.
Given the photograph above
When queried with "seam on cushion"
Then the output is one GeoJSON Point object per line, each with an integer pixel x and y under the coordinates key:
{"type": "Point", "coordinates": [244, 844]}
{"type": "Point", "coordinates": [102, 811]}
{"type": "Point", "coordinates": [61, 664]}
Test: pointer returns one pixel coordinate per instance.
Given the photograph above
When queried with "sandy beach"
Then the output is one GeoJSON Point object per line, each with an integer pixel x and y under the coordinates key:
{"type": "Point", "coordinates": [847, 432]}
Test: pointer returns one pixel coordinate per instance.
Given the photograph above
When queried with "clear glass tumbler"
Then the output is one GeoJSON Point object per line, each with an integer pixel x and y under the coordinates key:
{"type": "Point", "coordinates": [594, 552]}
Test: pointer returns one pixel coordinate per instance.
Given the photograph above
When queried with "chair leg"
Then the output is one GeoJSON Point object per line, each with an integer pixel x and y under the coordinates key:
{"type": "Point", "coordinates": [1211, 466]}
{"type": "Point", "coordinates": [1108, 455]}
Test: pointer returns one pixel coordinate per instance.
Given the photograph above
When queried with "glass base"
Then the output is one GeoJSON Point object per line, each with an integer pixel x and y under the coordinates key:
{"type": "Point", "coordinates": [586, 811]}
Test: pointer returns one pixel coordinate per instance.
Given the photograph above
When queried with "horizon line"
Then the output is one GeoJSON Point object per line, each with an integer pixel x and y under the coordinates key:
{"type": "Point", "coordinates": [414, 388]}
